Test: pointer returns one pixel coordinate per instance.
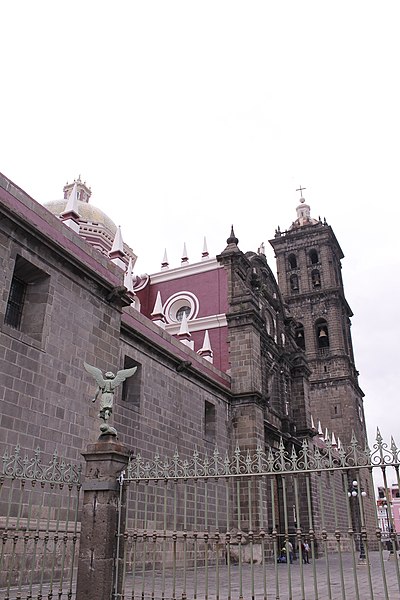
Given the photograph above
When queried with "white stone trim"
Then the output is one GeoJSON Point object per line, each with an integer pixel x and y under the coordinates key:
{"type": "Point", "coordinates": [119, 262]}
{"type": "Point", "coordinates": [71, 224]}
{"type": "Point", "coordinates": [185, 270]}
{"type": "Point", "coordinates": [143, 284]}
{"type": "Point", "coordinates": [210, 322]}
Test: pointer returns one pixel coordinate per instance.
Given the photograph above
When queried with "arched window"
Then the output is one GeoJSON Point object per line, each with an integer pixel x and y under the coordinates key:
{"type": "Point", "coordinates": [313, 254]}
{"type": "Point", "coordinates": [292, 261]}
{"type": "Point", "coordinates": [269, 324]}
{"type": "Point", "coordinates": [294, 283]}
{"type": "Point", "coordinates": [315, 278]}
{"type": "Point", "coordinates": [299, 336]}
{"type": "Point", "coordinates": [322, 333]}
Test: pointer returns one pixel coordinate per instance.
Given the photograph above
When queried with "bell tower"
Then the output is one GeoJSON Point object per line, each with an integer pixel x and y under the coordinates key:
{"type": "Point", "coordinates": [309, 274]}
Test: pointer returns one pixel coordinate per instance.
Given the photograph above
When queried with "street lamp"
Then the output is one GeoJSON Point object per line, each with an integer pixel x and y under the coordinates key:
{"type": "Point", "coordinates": [389, 528]}
{"type": "Point", "coordinates": [354, 493]}
{"type": "Point", "coordinates": [385, 506]}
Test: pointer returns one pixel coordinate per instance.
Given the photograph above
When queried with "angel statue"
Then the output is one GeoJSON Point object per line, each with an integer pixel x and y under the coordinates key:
{"type": "Point", "coordinates": [107, 385]}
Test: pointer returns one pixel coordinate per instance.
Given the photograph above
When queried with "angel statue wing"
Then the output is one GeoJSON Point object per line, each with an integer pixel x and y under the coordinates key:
{"type": "Point", "coordinates": [121, 376]}
{"type": "Point", "coordinates": [96, 373]}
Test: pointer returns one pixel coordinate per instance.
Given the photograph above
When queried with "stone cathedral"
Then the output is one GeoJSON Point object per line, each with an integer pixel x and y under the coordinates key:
{"type": "Point", "coordinates": [226, 354]}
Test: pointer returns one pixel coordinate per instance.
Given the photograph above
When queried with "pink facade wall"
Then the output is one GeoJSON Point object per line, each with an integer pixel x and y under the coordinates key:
{"type": "Point", "coordinates": [210, 288]}
{"type": "Point", "coordinates": [393, 505]}
{"type": "Point", "coordinates": [396, 514]}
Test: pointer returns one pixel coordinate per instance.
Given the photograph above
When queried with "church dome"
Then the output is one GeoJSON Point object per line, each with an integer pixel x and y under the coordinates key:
{"type": "Point", "coordinates": [90, 221]}
{"type": "Point", "coordinates": [87, 212]}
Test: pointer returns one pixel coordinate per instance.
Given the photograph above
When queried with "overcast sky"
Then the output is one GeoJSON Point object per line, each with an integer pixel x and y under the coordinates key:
{"type": "Point", "coordinates": [187, 117]}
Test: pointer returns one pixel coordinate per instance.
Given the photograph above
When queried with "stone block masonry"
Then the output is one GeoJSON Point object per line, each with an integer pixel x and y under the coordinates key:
{"type": "Point", "coordinates": [46, 394]}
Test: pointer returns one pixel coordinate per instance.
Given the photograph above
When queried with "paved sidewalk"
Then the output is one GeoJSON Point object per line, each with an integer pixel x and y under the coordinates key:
{"type": "Point", "coordinates": [277, 582]}
{"type": "Point", "coordinates": [270, 582]}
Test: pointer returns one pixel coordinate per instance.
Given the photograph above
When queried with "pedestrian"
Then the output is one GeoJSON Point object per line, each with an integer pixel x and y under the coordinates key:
{"type": "Point", "coordinates": [289, 547]}
{"type": "Point", "coordinates": [306, 552]}
{"type": "Point", "coordinates": [282, 557]}
{"type": "Point", "coordinates": [302, 551]}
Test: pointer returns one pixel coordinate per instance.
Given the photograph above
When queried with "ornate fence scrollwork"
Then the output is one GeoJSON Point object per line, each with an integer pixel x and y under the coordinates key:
{"type": "Point", "coordinates": [39, 525]}
{"type": "Point", "coordinates": [308, 458]}
{"type": "Point", "coordinates": [18, 465]}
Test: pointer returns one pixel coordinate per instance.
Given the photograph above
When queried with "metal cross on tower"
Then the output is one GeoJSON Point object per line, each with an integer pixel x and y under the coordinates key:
{"type": "Point", "coordinates": [300, 189]}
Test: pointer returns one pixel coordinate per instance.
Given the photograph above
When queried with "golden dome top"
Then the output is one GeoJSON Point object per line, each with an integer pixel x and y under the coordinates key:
{"type": "Point", "coordinates": [87, 213]}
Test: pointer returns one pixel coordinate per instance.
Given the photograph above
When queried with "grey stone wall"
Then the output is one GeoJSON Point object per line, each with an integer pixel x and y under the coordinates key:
{"type": "Point", "coordinates": [169, 413]}
{"type": "Point", "coordinates": [46, 394]}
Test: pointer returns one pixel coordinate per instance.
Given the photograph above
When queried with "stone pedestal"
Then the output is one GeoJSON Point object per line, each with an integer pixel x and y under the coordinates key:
{"type": "Point", "coordinates": [101, 498]}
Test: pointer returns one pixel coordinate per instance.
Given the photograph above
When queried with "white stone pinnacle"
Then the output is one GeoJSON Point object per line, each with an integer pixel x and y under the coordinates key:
{"type": "Point", "coordinates": [117, 253]}
{"type": "Point", "coordinates": [184, 335]}
{"type": "Point", "coordinates": [72, 202]}
{"type": "Point", "coordinates": [118, 244]}
{"type": "Point", "coordinates": [206, 351]}
{"type": "Point", "coordinates": [128, 278]}
{"type": "Point", "coordinates": [206, 342]}
{"type": "Point", "coordinates": [204, 254]}
{"type": "Point", "coordinates": [158, 308]}
{"type": "Point", "coordinates": [70, 214]}
{"type": "Point", "coordinates": [184, 259]}
{"type": "Point", "coordinates": [165, 264]}
{"type": "Point", "coordinates": [184, 329]}
{"type": "Point", "coordinates": [157, 315]}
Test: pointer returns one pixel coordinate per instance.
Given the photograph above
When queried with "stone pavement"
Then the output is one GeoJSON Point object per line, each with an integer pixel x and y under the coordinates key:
{"type": "Point", "coordinates": [318, 581]}
{"type": "Point", "coordinates": [314, 581]}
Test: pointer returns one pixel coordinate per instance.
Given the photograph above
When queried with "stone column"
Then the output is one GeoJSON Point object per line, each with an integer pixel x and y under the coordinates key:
{"type": "Point", "coordinates": [98, 542]}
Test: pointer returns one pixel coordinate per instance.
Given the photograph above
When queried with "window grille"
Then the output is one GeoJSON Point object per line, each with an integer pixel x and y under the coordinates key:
{"type": "Point", "coordinates": [27, 299]}
{"type": "Point", "coordinates": [15, 304]}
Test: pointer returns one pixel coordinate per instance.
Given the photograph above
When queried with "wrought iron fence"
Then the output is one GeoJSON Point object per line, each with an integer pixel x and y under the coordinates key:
{"type": "Point", "coordinates": [286, 523]}
{"type": "Point", "coordinates": [39, 526]}
{"type": "Point", "coordinates": [297, 522]}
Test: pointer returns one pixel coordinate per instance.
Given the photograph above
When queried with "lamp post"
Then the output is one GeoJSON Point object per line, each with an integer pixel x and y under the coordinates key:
{"type": "Point", "coordinates": [392, 536]}
{"type": "Point", "coordinates": [386, 506]}
{"type": "Point", "coordinates": [354, 493]}
{"type": "Point", "coordinates": [388, 527]}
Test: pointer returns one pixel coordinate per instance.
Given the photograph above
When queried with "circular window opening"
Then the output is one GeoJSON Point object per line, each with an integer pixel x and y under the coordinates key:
{"type": "Point", "coordinates": [182, 303]}
{"type": "Point", "coordinates": [184, 310]}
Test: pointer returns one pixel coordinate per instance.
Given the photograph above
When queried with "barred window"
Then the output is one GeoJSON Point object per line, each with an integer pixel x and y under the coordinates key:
{"type": "Point", "coordinates": [27, 299]}
{"type": "Point", "coordinates": [15, 304]}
